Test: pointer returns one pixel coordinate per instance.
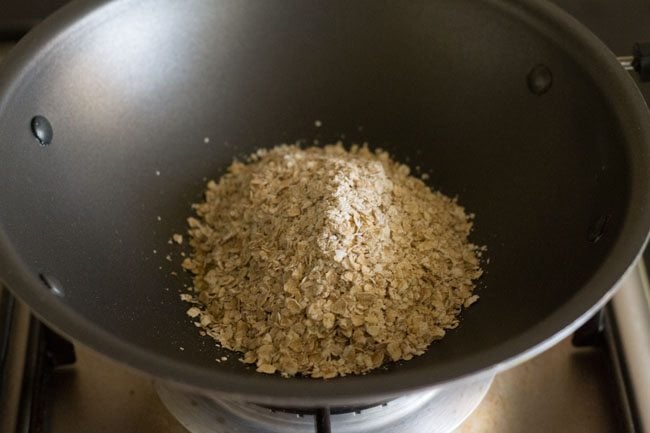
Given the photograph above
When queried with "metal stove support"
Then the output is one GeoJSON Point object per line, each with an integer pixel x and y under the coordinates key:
{"type": "Point", "coordinates": [639, 61]}
{"type": "Point", "coordinates": [628, 335]}
{"type": "Point", "coordinates": [622, 329]}
{"type": "Point", "coordinates": [323, 421]}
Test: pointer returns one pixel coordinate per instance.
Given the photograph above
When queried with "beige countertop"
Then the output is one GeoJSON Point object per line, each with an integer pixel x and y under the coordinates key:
{"type": "Point", "coordinates": [563, 390]}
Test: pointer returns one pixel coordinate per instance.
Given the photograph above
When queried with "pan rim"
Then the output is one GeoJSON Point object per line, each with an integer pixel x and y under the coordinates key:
{"type": "Point", "coordinates": [633, 117]}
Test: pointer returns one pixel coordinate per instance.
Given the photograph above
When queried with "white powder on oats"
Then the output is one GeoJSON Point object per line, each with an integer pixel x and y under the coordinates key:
{"type": "Point", "coordinates": [328, 262]}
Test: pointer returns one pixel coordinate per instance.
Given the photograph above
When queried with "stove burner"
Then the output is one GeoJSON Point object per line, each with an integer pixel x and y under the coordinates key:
{"type": "Point", "coordinates": [322, 416]}
{"type": "Point", "coordinates": [439, 410]}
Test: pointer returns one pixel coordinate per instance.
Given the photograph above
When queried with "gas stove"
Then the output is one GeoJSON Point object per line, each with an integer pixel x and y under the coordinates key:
{"type": "Point", "coordinates": [594, 382]}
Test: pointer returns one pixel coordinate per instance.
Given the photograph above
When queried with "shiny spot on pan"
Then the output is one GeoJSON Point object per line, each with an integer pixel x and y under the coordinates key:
{"type": "Point", "coordinates": [53, 284]}
{"type": "Point", "coordinates": [597, 228]}
{"type": "Point", "coordinates": [42, 130]}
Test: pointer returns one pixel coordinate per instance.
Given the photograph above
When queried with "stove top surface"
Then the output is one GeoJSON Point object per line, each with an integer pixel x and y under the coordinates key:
{"type": "Point", "coordinates": [563, 390]}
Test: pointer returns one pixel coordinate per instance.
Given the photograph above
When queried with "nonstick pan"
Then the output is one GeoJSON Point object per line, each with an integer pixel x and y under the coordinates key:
{"type": "Point", "coordinates": [510, 105]}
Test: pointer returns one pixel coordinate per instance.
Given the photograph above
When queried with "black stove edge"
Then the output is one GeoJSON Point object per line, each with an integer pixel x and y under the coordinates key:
{"type": "Point", "coordinates": [13, 337]}
{"type": "Point", "coordinates": [29, 354]}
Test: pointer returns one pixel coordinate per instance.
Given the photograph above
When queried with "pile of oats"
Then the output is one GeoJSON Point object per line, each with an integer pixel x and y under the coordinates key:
{"type": "Point", "coordinates": [326, 262]}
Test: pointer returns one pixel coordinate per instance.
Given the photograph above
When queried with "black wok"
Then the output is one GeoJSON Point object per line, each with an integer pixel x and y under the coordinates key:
{"type": "Point", "coordinates": [511, 105]}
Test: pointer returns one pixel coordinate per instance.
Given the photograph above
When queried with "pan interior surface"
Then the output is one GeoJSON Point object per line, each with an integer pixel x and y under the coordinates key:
{"type": "Point", "coordinates": [148, 99]}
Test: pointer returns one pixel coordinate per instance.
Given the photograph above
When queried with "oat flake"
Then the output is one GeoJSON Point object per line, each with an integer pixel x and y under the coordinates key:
{"type": "Point", "coordinates": [327, 262]}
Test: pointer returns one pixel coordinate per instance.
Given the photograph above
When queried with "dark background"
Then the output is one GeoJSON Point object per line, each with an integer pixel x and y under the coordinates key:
{"type": "Point", "coordinates": [619, 23]}
{"type": "Point", "coordinates": [18, 16]}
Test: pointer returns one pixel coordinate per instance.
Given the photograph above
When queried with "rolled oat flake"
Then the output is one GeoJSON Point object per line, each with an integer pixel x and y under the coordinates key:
{"type": "Point", "coordinates": [327, 262]}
